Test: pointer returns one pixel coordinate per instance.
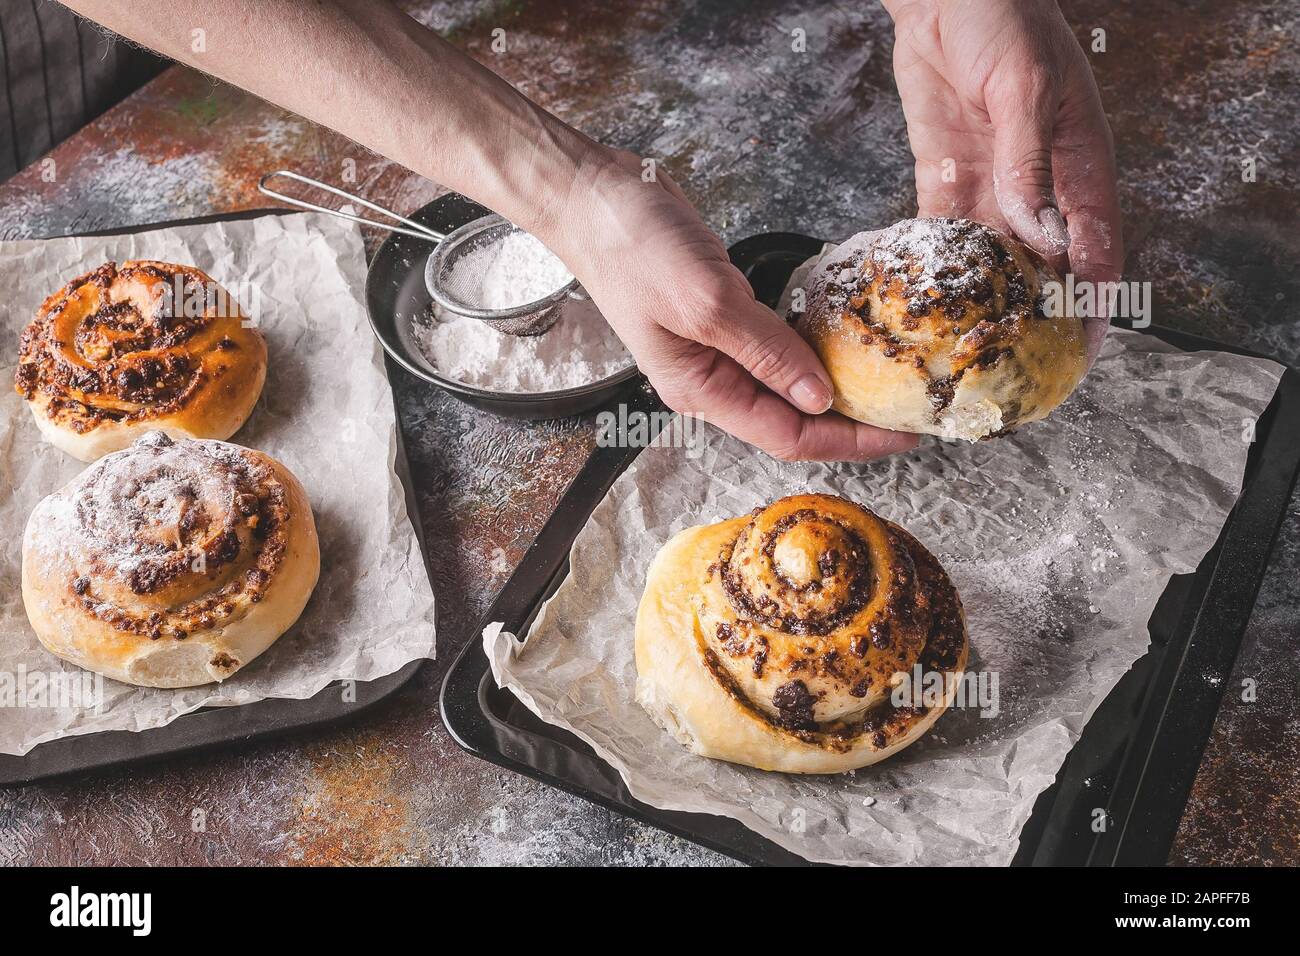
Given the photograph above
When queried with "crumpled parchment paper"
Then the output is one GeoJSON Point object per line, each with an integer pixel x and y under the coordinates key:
{"type": "Point", "coordinates": [326, 412]}
{"type": "Point", "coordinates": [1060, 538]}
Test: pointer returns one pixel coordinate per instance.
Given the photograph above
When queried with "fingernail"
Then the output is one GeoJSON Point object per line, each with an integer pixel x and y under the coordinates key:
{"type": "Point", "coordinates": [1049, 217]}
{"type": "Point", "coordinates": [811, 394]}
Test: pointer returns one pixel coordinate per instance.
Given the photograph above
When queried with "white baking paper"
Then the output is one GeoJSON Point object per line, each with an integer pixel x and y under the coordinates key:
{"type": "Point", "coordinates": [1060, 538]}
{"type": "Point", "coordinates": [326, 412]}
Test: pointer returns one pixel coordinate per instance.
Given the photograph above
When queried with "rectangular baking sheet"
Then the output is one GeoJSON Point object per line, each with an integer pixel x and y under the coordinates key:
{"type": "Point", "coordinates": [216, 726]}
{"type": "Point", "coordinates": [1137, 756]}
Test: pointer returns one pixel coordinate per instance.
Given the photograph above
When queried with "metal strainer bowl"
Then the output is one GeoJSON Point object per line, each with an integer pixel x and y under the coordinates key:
{"type": "Point", "coordinates": [528, 318]}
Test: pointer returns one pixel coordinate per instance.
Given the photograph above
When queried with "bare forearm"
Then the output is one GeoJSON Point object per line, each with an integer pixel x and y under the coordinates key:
{"type": "Point", "coordinates": [367, 70]}
{"type": "Point", "coordinates": [661, 278]}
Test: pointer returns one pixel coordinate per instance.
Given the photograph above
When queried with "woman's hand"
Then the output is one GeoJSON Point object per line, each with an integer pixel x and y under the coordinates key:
{"type": "Point", "coordinates": [663, 280]}
{"type": "Point", "coordinates": [1007, 128]}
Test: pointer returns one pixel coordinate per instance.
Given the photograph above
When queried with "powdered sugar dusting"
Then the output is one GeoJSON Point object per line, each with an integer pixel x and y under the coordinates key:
{"type": "Point", "coordinates": [126, 512]}
{"type": "Point", "coordinates": [945, 257]}
{"type": "Point", "coordinates": [831, 279]}
{"type": "Point", "coordinates": [944, 254]}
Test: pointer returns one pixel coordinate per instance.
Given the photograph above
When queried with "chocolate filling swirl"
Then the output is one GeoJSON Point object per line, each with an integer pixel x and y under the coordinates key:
{"type": "Point", "coordinates": [826, 581]}
{"type": "Point", "coordinates": [812, 611]}
{"type": "Point", "coordinates": [112, 345]}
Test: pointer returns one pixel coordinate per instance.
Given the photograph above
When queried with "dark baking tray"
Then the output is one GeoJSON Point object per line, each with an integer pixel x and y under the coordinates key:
{"type": "Point", "coordinates": [212, 726]}
{"type": "Point", "coordinates": [1137, 756]}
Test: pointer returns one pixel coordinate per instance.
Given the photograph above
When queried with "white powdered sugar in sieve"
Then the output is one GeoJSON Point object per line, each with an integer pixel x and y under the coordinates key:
{"type": "Point", "coordinates": [515, 270]}
{"type": "Point", "coordinates": [579, 349]}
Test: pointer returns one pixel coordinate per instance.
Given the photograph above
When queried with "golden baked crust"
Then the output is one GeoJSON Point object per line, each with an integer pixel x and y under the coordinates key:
{"type": "Point", "coordinates": [776, 640]}
{"type": "Point", "coordinates": [936, 326]}
{"type": "Point", "coordinates": [171, 563]}
{"type": "Point", "coordinates": [152, 345]}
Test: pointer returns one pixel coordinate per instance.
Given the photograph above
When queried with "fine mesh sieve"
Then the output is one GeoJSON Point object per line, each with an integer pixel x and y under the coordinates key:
{"type": "Point", "coordinates": [452, 291]}
{"type": "Point", "coordinates": [527, 318]}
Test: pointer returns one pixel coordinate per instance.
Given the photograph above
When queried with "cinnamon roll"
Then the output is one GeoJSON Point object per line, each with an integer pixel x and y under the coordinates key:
{"type": "Point", "coordinates": [171, 563]}
{"type": "Point", "coordinates": [152, 345]}
{"type": "Point", "coordinates": [777, 640]}
{"type": "Point", "coordinates": [939, 326]}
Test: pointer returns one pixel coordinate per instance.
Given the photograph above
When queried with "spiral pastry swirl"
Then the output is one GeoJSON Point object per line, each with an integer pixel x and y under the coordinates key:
{"type": "Point", "coordinates": [170, 563]}
{"type": "Point", "coordinates": [152, 345]}
{"type": "Point", "coordinates": [776, 640]}
{"type": "Point", "coordinates": [941, 326]}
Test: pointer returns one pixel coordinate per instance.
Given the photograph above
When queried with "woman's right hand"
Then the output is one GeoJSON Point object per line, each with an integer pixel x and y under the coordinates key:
{"type": "Point", "coordinates": [663, 280]}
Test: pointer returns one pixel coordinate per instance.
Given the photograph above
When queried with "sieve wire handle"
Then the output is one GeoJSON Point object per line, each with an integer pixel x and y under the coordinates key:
{"type": "Point", "coordinates": [417, 230]}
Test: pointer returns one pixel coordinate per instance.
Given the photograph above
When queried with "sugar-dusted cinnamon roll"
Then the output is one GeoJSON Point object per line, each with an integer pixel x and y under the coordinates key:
{"type": "Point", "coordinates": [776, 640]}
{"type": "Point", "coordinates": [939, 326]}
{"type": "Point", "coordinates": [171, 563]}
{"type": "Point", "coordinates": [152, 345]}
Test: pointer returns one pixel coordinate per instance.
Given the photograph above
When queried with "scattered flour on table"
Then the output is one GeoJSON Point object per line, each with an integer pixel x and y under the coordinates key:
{"type": "Point", "coordinates": [579, 349]}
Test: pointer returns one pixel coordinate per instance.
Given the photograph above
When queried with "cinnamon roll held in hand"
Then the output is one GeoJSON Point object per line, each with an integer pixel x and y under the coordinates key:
{"type": "Point", "coordinates": [776, 640]}
{"type": "Point", "coordinates": [152, 345]}
{"type": "Point", "coordinates": [940, 327]}
{"type": "Point", "coordinates": [170, 564]}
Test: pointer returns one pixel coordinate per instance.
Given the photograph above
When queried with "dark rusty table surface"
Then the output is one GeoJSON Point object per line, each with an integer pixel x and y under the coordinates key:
{"type": "Point", "coordinates": [763, 138]}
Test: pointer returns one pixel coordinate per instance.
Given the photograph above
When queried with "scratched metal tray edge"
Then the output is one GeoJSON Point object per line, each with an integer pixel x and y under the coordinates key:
{"type": "Point", "coordinates": [1140, 780]}
{"type": "Point", "coordinates": [216, 727]}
